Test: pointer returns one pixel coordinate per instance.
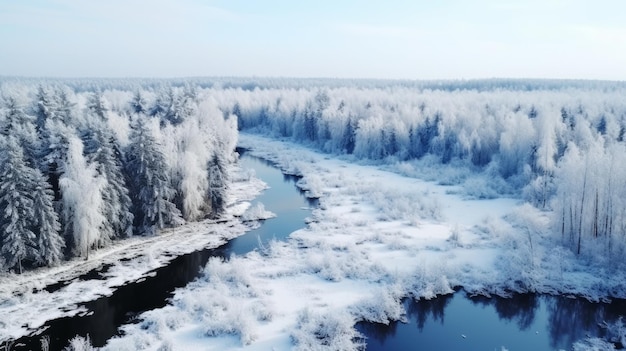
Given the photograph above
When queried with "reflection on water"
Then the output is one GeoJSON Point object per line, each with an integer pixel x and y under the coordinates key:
{"type": "Point", "coordinates": [523, 322]}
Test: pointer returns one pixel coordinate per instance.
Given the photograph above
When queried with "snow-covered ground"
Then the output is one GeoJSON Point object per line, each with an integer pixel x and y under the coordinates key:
{"type": "Point", "coordinates": [377, 237]}
{"type": "Point", "coordinates": [25, 305]}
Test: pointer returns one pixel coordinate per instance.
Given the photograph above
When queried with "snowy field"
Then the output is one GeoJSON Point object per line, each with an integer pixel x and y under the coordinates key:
{"type": "Point", "coordinates": [25, 305]}
{"type": "Point", "coordinates": [377, 237]}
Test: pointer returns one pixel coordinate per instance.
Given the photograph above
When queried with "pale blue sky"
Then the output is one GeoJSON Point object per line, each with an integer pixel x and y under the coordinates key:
{"type": "Point", "coordinates": [450, 39]}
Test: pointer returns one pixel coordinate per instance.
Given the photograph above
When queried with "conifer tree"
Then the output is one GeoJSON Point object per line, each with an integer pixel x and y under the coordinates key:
{"type": "Point", "coordinates": [16, 227]}
{"type": "Point", "coordinates": [218, 179]}
{"type": "Point", "coordinates": [50, 243]}
{"type": "Point", "coordinates": [151, 191]}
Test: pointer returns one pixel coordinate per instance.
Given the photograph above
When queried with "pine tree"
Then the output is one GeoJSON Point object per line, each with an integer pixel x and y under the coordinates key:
{"type": "Point", "coordinates": [151, 191]}
{"type": "Point", "coordinates": [218, 179]}
{"type": "Point", "coordinates": [17, 236]}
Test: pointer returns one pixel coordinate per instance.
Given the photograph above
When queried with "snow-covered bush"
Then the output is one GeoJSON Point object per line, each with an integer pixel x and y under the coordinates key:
{"type": "Point", "coordinates": [78, 343]}
{"type": "Point", "coordinates": [257, 212]}
{"type": "Point", "coordinates": [325, 331]}
{"type": "Point", "coordinates": [428, 281]}
{"type": "Point", "coordinates": [384, 306]}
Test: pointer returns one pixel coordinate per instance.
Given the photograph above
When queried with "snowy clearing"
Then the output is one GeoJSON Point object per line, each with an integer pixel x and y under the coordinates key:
{"type": "Point", "coordinates": [25, 305]}
{"type": "Point", "coordinates": [377, 237]}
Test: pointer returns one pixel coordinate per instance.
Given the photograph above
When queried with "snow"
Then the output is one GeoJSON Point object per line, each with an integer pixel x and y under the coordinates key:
{"type": "Point", "coordinates": [376, 238]}
{"type": "Point", "coordinates": [25, 305]}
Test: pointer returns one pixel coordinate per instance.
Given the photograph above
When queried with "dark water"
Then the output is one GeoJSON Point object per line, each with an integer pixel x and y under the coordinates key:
{"type": "Point", "coordinates": [105, 315]}
{"type": "Point", "coordinates": [523, 322]}
{"type": "Point", "coordinates": [453, 322]}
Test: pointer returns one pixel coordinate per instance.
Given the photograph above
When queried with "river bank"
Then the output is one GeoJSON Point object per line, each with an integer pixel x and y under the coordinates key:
{"type": "Point", "coordinates": [29, 300]}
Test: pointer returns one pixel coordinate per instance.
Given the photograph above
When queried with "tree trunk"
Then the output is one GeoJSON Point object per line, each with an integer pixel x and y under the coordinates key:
{"type": "Point", "coordinates": [582, 210]}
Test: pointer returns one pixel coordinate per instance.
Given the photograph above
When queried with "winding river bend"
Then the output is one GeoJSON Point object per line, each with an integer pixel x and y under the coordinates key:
{"type": "Point", "coordinates": [105, 315]}
{"type": "Point", "coordinates": [452, 322]}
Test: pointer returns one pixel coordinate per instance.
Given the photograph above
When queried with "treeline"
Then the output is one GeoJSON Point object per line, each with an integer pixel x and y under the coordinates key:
{"type": "Point", "coordinates": [561, 149]}
{"type": "Point", "coordinates": [81, 169]}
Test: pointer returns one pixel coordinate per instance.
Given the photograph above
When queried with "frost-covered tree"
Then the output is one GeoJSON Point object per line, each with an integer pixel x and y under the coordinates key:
{"type": "Point", "coordinates": [44, 107]}
{"type": "Point", "coordinates": [16, 217]}
{"type": "Point", "coordinates": [138, 103]}
{"type": "Point", "coordinates": [218, 184]}
{"type": "Point", "coordinates": [97, 106]}
{"type": "Point", "coordinates": [83, 205]}
{"type": "Point", "coordinates": [50, 243]}
{"type": "Point", "coordinates": [103, 151]}
{"type": "Point", "coordinates": [16, 122]}
{"type": "Point", "coordinates": [65, 107]}
{"type": "Point", "coordinates": [151, 191]}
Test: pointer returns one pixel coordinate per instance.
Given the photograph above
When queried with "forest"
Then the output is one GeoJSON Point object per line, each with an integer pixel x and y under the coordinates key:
{"type": "Point", "coordinates": [80, 169]}
{"type": "Point", "coordinates": [557, 145]}
{"type": "Point", "coordinates": [398, 168]}
{"type": "Point", "coordinates": [85, 162]}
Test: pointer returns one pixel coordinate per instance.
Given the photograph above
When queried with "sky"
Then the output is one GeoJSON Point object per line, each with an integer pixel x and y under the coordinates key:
{"type": "Point", "coordinates": [413, 39]}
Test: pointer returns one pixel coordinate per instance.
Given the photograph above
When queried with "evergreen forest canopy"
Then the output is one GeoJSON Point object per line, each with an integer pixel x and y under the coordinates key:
{"type": "Point", "coordinates": [87, 161]}
{"type": "Point", "coordinates": [81, 169]}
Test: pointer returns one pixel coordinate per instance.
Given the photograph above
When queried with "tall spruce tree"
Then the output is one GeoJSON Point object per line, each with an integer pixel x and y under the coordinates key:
{"type": "Point", "coordinates": [16, 217]}
{"type": "Point", "coordinates": [50, 243]}
{"type": "Point", "coordinates": [151, 191]}
{"type": "Point", "coordinates": [218, 180]}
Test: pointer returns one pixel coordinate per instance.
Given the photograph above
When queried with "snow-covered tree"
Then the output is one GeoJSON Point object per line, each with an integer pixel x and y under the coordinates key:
{"type": "Point", "coordinates": [17, 208]}
{"type": "Point", "coordinates": [16, 122]}
{"type": "Point", "coordinates": [138, 103]}
{"type": "Point", "coordinates": [50, 243]}
{"type": "Point", "coordinates": [44, 107]}
{"type": "Point", "coordinates": [82, 196]}
{"type": "Point", "coordinates": [97, 106]}
{"type": "Point", "coordinates": [218, 184]}
{"type": "Point", "coordinates": [151, 191]}
{"type": "Point", "coordinates": [103, 151]}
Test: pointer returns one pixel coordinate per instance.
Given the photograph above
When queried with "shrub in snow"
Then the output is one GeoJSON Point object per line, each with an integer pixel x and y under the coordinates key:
{"type": "Point", "coordinates": [480, 188]}
{"type": "Point", "coordinates": [312, 185]}
{"type": "Point", "coordinates": [257, 212]}
{"type": "Point", "coordinates": [523, 263]}
{"type": "Point", "coordinates": [428, 281]}
{"type": "Point", "coordinates": [454, 236]}
{"type": "Point", "coordinates": [336, 263]}
{"type": "Point", "coordinates": [78, 343]}
{"type": "Point", "coordinates": [315, 331]}
{"type": "Point", "coordinates": [383, 307]}
{"type": "Point", "coordinates": [227, 302]}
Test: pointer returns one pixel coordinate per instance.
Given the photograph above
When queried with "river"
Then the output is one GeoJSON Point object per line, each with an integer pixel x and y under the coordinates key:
{"type": "Point", "coordinates": [452, 322]}
{"type": "Point", "coordinates": [521, 322]}
{"type": "Point", "coordinates": [104, 316]}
